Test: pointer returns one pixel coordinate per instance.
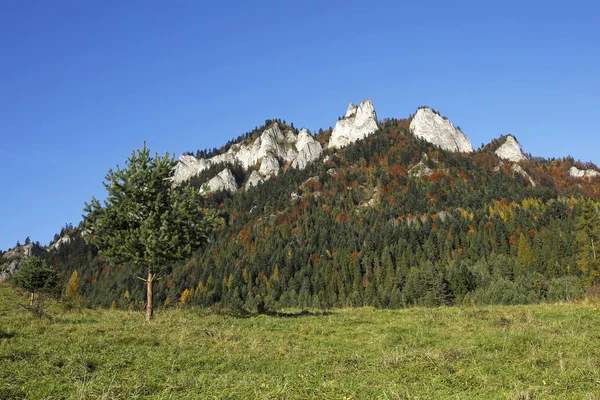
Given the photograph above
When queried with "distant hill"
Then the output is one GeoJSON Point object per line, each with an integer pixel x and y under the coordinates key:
{"type": "Point", "coordinates": [388, 213]}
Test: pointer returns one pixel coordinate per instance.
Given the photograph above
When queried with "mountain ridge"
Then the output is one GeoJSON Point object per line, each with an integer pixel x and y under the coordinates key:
{"type": "Point", "coordinates": [272, 150]}
{"type": "Point", "coordinates": [389, 220]}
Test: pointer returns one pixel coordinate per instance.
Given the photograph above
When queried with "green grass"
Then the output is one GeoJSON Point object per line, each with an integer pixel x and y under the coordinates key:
{"type": "Point", "coordinates": [544, 351]}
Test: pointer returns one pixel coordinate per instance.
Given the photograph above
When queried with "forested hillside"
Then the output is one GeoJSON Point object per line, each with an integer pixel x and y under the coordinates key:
{"type": "Point", "coordinates": [388, 221]}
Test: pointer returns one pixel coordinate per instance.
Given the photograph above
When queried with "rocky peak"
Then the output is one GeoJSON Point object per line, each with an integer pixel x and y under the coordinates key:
{"type": "Point", "coordinates": [308, 149]}
{"type": "Point", "coordinates": [272, 148]}
{"type": "Point", "coordinates": [430, 126]}
{"type": "Point", "coordinates": [351, 110]}
{"type": "Point", "coordinates": [511, 150]}
{"type": "Point", "coordinates": [358, 123]}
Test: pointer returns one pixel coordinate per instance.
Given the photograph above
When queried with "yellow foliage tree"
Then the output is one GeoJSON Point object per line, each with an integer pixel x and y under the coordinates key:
{"type": "Point", "coordinates": [186, 296]}
{"type": "Point", "coordinates": [525, 254]}
{"type": "Point", "coordinates": [73, 289]}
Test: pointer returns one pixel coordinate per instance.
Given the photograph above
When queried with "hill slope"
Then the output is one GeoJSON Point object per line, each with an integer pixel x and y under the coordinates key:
{"type": "Point", "coordinates": [390, 220]}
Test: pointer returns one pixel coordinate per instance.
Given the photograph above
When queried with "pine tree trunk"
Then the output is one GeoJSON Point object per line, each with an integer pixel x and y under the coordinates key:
{"type": "Point", "coordinates": [149, 309]}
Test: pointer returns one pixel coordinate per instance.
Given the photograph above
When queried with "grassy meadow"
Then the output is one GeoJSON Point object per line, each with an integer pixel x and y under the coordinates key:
{"type": "Point", "coordinates": [526, 352]}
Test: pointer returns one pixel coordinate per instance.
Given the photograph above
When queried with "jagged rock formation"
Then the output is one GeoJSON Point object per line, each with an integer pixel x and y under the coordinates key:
{"type": "Point", "coordinates": [9, 262]}
{"type": "Point", "coordinates": [358, 123]}
{"type": "Point", "coordinates": [223, 181]}
{"type": "Point", "coordinates": [269, 166]}
{"type": "Point", "coordinates": [579, 173]}
{"type": "Point", "coordinates": [271, 149]}
{"type": "Point", "coordinates": [189, 166]}
{"type": "Point", "coordinates": [511, 150]}
{"type": "Point", "coordinates": [309, 150]}
{"type": "Point", "coordinates": [430, 126]}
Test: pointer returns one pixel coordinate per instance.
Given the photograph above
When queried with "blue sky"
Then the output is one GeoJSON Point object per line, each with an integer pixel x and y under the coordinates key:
{"type": "Point", "coordinates": [82, 84]}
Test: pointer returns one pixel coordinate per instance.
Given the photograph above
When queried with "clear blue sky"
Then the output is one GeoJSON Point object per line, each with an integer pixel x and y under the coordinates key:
{"type": "Point", "coordinates": [82, 84]}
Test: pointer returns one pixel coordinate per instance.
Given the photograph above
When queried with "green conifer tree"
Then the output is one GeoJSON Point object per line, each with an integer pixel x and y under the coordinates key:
{"type": "Point", "coordinates": [145, 219]}
{"type": "Point", "coordinates": [588, 242]}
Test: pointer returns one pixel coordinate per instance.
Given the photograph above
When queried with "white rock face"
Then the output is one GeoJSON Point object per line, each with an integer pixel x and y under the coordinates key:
{"type": "Point", "coordinates": [358, 123]}
{"type": "Point", "coordinates": [9, 262]}
{"type": "Point", "coordinates": [351, 110]}
{"type": "Point", "coordinates": [272, 147]}
{"type": "Point", "coordinates": [578, 173]}
{"type": "Point", "coordinates": [308, 149]}
{"type": "Point", "coordinates": [431, 127]}
{"type": "Point", "coordinates": [254, 180]}
{"type": "Point", "coordinates": [189, 166]}
{"type": "Point", "coordinates": [269, 166]}
{"type": "Point", "coordinates": [511, 150]}
{"type": "Point", "coordinates": [62, 240]}
{"type": "Point", "coordinates": [223, 181]}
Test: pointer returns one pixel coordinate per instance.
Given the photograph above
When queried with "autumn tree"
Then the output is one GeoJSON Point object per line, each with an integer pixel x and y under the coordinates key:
{"type": "Point", "coordinates": [73, 290]}
{"type": "Point", "coordinates": [525, 254]}
{"type": "Point", "coordinates": [145, 219]}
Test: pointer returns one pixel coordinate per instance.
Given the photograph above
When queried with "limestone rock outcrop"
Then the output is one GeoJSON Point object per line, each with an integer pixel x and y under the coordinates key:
{"type": "Point", "coordinates": [223, 181]}
{"type": "Point", "coordinates": [254, 180]}
{"type": "Point", "coordinates": [189, 166]}
{"type": "Point", "coordinates": [271, 149]}
{"type": "Point", "coordinates": [269, 166]}
{"type": "Point", "coordinates": [358, 123]}
{"type": "Point", "coordinates": [511, 150]}
{"type": "Point", "coordinates": [65, 239]}
{"type": "Point", "coordinates": [430, 126]}
{"type": "Point", "coordinates": [583, 173]}
{"type": "Point", "coordinates": [309, 150]}
{"type": "Point", "coordinates": [9, 262]}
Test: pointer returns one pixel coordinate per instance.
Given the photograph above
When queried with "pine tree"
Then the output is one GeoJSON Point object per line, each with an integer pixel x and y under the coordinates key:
{"type": "Point", "coordinates": [145, 220]}
{"type": "Point", "coordinates": [35, 276]}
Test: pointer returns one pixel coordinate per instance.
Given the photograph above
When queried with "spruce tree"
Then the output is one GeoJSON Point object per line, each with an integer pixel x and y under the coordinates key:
{"type": "Point", "coordinates": [145, 220]}
{"type": "Point", "coordinates": [35, 276]}
{"type": "Point", "coordinates": [588, 242]}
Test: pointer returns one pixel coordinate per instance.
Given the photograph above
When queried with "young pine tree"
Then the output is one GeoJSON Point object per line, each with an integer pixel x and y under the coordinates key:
{"type": "Point", "coordinates": [36, 277]}
{"type": "Point", "coordinates": [145, 219]}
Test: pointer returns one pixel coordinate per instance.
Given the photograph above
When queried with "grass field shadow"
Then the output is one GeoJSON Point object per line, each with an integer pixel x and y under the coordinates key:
{"type": "Point", "coordinates": [74, 321]}
{"type": "Point", "coordinates": [6, 335]}
{"type": "Point", "coordinates": [300, 314]}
